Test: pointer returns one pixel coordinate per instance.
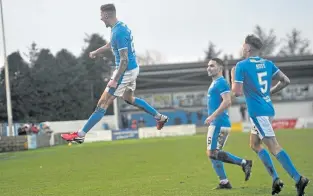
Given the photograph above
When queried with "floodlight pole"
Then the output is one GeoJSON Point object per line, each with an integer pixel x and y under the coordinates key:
{"type": "Point", "coordinates": [7, 81]}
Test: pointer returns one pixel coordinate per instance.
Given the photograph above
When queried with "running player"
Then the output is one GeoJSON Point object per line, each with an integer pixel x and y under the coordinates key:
{"type": "Point", "coordinates": [253, 76]}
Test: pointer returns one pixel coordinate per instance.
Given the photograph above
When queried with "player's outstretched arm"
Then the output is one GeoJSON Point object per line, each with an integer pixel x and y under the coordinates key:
{"type": "Point", "coordinates": [100, 50]}
{"type": "Point", "coordinates": [283, 81]}
{"type": "Point", "coordinates": [123, 63]}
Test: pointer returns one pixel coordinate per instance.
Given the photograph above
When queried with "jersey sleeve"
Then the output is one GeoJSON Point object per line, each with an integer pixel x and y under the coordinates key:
{"type": "Point", "coordinates": [239, 76]}
{"type": "Point", "coordinates": [275, 69]}
{"type": "Point", "coordinates": [223, 87]}
{"type": "Point", "coordinates": [121, 40]}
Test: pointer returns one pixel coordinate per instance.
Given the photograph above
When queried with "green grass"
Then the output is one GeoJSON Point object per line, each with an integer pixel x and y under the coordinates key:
{"type": "Point", "coordinates": [175, 166]}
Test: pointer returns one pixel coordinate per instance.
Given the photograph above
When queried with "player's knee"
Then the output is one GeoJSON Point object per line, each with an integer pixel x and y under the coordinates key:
{"type": "Point", "coordinates": [272, 145]}
{"type": "Point", "coordinates": [105, 102]}
{"type": "Point", "coordinates": [275, 149]}
{"type": "Point", "coordinates": [256, 147]}
{"type": "Point", "coordinates": [208, 153]}
{"type": "Point", "coordinates": [102, 105]}
{"type": "Point", "coordinates": [128, 99]}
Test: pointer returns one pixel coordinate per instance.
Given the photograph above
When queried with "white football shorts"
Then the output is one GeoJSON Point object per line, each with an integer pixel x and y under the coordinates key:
{"type": "Point", "coordinates": [217, 137]}
{"type": "Point", "coordinates": [262, 126]}
{"type": "Point", "coordinates": [127, 81]}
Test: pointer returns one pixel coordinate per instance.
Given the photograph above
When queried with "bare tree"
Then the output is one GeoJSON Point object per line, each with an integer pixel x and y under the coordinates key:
{"type": "Point", "coordinates": [295, 45]}
{"type": "Point", "coordinates": [32, 55]}
{"type": "Point", "coordinates": [269, 40]}
{"type": "Point", "coordinates": [212, 52]}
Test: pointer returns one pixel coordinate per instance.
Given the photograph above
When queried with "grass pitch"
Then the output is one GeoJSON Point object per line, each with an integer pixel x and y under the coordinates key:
{"type": "Point", "coordinates": [173, 166]}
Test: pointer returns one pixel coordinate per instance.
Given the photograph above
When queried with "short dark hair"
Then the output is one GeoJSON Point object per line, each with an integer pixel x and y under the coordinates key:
{"type": "Point", "coordinates": [219, 61]}
{"type": "Point", "coordinates": [108, 8]}
{"type": "Point", "coordinates": [254, 41]}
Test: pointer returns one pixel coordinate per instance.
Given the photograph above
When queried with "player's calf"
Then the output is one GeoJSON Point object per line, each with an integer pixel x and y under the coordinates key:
{"type": "Point", "coordinates": [142, 104]}
{"type": "Point", "coordinates": [80, 135]}
{"type": "Point", "coordinates": [129, 98]}
{"type": "Point", "coordinates": [218, 167]}
{"type": "Point", "coordinates": [256, 145]}
{"type": "Point", "coordinates": [227, 157]}
{"type": "Point", "coordinates": [282, 156]}
{"type": "Point", "coordinates": [268, 163]}
{"type": "Point", "coordinates": [103, 103]}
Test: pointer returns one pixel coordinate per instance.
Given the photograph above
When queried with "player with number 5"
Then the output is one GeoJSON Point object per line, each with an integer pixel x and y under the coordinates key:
{"type": "Point", "coordinates": [253, 77]}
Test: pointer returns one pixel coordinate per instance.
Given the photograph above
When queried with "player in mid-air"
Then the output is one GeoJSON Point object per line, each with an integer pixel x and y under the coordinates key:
{"type": "Point", "coordinates": [123, 81]}
{"type": "Point", "coordinates": [253, 77]}
{"type": "Point", "coordinates": [219, 100]}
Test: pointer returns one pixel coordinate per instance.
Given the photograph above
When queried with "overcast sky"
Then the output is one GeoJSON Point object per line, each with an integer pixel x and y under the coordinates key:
{"type": "Point", "coordinates": [179, 30]}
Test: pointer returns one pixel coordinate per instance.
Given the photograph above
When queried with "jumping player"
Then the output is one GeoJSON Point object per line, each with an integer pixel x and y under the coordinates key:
{"type": "Point", "coordinates": [123, 81]}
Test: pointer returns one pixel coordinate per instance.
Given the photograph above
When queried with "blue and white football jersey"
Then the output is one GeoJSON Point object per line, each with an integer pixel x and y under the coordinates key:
{"type": "Point", "coordinates": [217, 89]}
{"type": "Point", "coordinates": [121, 38]}
{"type": "Point", "coordinates": [256, 75]}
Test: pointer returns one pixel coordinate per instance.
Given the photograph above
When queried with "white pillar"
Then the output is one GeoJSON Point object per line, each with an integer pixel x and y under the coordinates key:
{"type": "Point", "coordinates": [7, 81]}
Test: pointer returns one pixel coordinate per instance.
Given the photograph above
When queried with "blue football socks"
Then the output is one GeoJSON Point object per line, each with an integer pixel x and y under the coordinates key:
{"type": "Point", "coordinates": [145, 106]}
{"type": "Point", "coordinates": [268, 163]}
{"type": "Point", "coordinates": [287, 164]}
{"type": "Point", "coordinates": [227, 157]}
{"type": "Point", "coordinates": [219, 169]}
{"type": "Point", "coordinates": [94, 119]}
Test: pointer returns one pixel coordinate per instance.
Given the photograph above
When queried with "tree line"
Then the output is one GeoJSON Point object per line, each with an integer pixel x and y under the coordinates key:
{"type": "Point", "coordinates": [292, 45]}
{"type": "Point", "coordinates": [49, 87]}
{"type": "Point", "coordinates": [55, 87]}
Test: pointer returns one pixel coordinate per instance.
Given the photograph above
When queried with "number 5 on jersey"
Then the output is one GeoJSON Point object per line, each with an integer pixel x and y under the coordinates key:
{"type": "Point", "coordinates": [263, 81]}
